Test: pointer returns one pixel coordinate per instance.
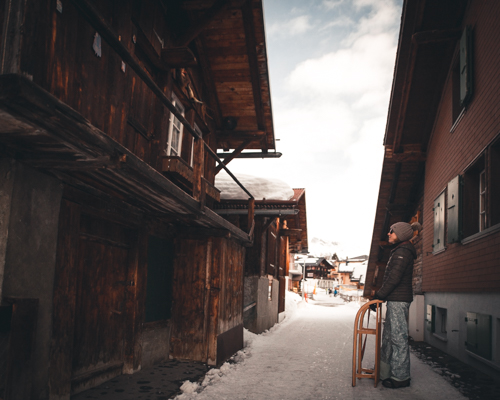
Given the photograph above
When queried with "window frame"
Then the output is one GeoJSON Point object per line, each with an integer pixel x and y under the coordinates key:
{"type": "Point", "coordinates": [471, 210]}
{"type": "Point", "coordinates": [175, 123]}
{"type": "Point", "coordinates": [462, 75]}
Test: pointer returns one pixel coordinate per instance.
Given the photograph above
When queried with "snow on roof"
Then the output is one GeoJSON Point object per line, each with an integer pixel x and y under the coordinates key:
{"type": "Point", "coordinates": [359, 271]}
{"type": "Point", "coordinates": [349, 267]}
{"type": "Point", "coordinates": [260, 188]}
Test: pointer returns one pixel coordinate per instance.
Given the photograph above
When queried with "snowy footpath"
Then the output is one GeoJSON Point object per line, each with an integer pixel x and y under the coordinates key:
{"type": "Point", "coordinates": [309, 356]}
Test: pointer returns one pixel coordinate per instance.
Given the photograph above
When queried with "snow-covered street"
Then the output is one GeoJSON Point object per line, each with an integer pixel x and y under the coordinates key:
{"type": "Point", "coordinates": [309, 356]}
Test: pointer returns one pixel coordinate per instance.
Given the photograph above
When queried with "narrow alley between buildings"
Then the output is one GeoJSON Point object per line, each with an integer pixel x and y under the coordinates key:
{"type": "Point", "coordinates": [307, 356]}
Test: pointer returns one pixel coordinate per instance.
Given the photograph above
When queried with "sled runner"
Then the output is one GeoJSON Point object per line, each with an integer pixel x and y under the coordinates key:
{"type": "Point", "coordinates": [359, 345]}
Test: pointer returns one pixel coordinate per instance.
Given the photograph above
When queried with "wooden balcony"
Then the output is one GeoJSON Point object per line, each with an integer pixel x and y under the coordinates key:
{"type": "Point", "coordinates": [181, 173]}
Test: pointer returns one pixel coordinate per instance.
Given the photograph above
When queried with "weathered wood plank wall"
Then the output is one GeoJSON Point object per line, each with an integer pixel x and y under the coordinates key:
{"type": "Point", "coordinates": [103, 89]}
{"type": "Point", "coordinates": [208, 296]}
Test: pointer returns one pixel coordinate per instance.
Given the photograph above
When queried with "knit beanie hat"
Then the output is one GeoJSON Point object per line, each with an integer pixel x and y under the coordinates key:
{"type": "Point", "coordinates": [403, 231]}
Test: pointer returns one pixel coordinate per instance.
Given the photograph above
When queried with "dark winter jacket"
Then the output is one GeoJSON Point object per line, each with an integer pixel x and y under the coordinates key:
{"type": "Point", "coordinates": [396, 285]}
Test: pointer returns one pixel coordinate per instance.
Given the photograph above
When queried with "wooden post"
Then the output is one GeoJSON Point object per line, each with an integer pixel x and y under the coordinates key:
{"type": "Point", "coordinates": [251, 214]}
{"type": "Point", "coordinates": [198, 164]}
{"type": "Point", "coordinates": [11, 36]}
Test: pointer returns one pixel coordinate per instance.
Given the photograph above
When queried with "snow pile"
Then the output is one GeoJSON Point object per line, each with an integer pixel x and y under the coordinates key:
{"type": "Point", "coordinates": [260, 188]}
{"type": "Point", "coordinates": [189, 387]}
{"type": "Point", "coordinates": [292, 301]}
{"type": "Point", "coordinates": [190, 390]}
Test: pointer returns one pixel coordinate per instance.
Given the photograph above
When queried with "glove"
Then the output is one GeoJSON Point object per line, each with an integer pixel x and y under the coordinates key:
{"type": "Point", "coordinates": [373, 307]}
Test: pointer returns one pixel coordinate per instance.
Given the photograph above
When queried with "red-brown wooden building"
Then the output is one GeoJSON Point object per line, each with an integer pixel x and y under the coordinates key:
{"type": "Point", "coordinates": [280, 231]}
{"type": "Point", "coordinates": [111, 114]}
{"type": "Point", "coordinates": [442, 168]}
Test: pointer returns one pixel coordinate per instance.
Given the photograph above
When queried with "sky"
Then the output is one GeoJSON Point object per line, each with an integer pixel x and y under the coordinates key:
{"type": "Point", "coordinates": [331, 65]}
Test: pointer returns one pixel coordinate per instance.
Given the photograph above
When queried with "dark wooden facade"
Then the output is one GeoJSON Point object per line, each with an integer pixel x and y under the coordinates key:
{"type": "Point", "coordinates": [318, 268]}
{"type": "Point", "coordinates": [280, 231]}
{"type": "Point", "coordinates": [112, 257]}
{"type": "Point", "coordinates": [441, 168]}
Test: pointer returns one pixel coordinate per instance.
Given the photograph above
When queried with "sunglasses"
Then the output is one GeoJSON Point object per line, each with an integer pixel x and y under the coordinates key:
{"type": "Point", "coordinates": [391, 231]}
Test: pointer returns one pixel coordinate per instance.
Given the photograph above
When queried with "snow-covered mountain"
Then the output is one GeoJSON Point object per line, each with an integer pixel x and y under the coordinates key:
{"type": "Point", "coordinates": [323, 248]}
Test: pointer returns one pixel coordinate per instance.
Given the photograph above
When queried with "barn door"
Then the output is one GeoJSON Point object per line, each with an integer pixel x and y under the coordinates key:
{"type": "Point", "coordinates": [100, 313]}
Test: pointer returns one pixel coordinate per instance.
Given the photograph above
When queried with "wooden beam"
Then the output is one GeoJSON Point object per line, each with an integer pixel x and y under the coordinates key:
{"type": "Point", "coordinates": [198, 164]}
{"type": "Point", "coordinates": [13, 20]}
{"type": "Point", "coordinates": [233, 155]}
{"type": "Point", "coordinates": [72, 165]}
{"type": "Point", "coordinates": [179, 57]}
{"type": "Point", "coordinates": [206, 72]}
{"type": "Point", "coordinates": [256, 154]}
{"type": "Point", "coordinates": [240, 134]}
{"type": "Point", "coordinates": [435, 36]}
{"type": "Point", "coordinates": [252, 60]}
{"type": "Point", "coordinates": [251, 216]}
{"type": "Point", "coordinates": [408, 156]}
{"type": "Point", "coordinates": [198, 26]}
{"type": "Point", "coordinates": [290, 232]}
{"type": "Point", "coordinates": [403, 207]}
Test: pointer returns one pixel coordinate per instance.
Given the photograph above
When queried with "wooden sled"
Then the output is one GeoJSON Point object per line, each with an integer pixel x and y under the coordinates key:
{"type": "Point", "coordinates": [359, 347]}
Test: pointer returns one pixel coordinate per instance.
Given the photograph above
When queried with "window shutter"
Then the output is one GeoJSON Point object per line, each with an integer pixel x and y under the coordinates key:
{"type": "Point", "coordinates": [465, 66]}
{"type": "Point", "coordinates": [484, 336]}
{"type": "Point", "coordinates": [431, 318]}
{"type": "Point", "coordinates": [453, 208]}
{"type": "Point", "coordinates": [438, 243]}
{"type": "Point", "coordinates": [471, 343]}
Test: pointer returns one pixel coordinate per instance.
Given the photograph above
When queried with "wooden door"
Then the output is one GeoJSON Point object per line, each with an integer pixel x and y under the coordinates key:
{"type": "Point", "coordinates": [100, 307]}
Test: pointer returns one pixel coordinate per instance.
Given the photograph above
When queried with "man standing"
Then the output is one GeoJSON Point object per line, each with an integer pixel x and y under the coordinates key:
{"type": "Point", "coordinates": [396, 289]}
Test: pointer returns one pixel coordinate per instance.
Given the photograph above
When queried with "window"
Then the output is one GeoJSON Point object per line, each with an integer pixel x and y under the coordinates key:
{"type": "Point", "coordinates": [431, 318]}
{"type": "Point", "coordinates": [474, 198]}
{"type": "Point", "coordinates": [175, 129]}
{"type": "Point", "coordinates": [479, 334]}
{"type": "Point", "coordinates": [462, 76]}
{"type": "Point", "coordinates": [198, 131]}
{"type": "Point", "coordinates": [494, 179]}
{"type": "Point", "coordinates": [438, 209]}
{"type": "Point", "coordinates": [440, 323]}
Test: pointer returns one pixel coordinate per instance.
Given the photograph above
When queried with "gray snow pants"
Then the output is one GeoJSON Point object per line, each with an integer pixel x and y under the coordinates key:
{"type": "Point", "coordinates": [395, 353]}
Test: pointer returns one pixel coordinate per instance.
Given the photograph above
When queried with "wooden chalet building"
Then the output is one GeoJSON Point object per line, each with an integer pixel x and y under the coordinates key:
{"type": "Point", "coordinates": [317, 268]}
{"type": "Point", "coordinates": [280, 232]}
{"type": "Point", "coordinates": [442, 168]}
{"type": "Point", "coordinates": [112, 257]}
{"type": "Point", "coordinates": [346, 268]}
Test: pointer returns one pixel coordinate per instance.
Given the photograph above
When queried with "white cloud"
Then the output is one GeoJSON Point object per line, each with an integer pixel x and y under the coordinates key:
{"type": "Point", "coordinates": [330, 113]}
{"type": "Point", "coordinates": [364, 67]}
{"type": "Point", "coordinates": [382, 18]}
{"type": "Point", "coordinates": [331, 4]}
{"type": "Point", "coordinates": [295, 26]}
